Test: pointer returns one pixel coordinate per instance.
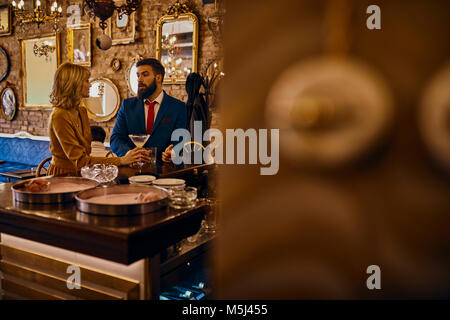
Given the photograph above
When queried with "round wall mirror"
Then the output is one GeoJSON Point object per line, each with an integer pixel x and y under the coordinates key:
{"type": "Point", "coordinates": [104, 100]}
{"type": "Point", "coordinates": [8, 104]}
{"type": "Point", "coordinates": [4, 64]}
{"type": "Point", "coordinates": [131, 76]}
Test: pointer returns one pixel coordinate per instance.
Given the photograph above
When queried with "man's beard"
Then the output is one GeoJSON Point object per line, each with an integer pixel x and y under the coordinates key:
{"type": "Point", "coordinates": [146, 92]}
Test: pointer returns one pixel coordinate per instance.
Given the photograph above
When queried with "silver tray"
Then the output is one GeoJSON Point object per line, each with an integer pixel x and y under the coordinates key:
{"type": "Point", "coordinates": [83, 204]}
{"type": "Point", "coordinates": [45, 197]}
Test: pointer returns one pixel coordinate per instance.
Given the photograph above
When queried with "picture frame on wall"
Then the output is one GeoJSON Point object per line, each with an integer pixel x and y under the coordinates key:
{"type": "Point", "coordinates": [79, 44]}
{"type": "Point", "coordinates": [122, 31]}
{"type": "Point", "coordinates": [5, 20]}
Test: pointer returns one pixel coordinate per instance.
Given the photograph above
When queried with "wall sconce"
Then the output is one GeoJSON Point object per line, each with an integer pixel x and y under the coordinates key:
{"type": "Point", "coordinates": [215, 22]}
{"type": "Point", "coordinates": [38, 15]}
{"type": "Point", "coordinates": [210, 77]}
{"type": "Point", "coordinates": [104, 9]}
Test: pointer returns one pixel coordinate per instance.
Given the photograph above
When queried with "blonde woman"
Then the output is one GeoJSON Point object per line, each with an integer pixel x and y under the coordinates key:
{"type": "Point", "coordinates": [69, 129]}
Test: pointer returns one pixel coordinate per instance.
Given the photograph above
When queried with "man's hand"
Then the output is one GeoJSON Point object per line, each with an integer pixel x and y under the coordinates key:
{"type": "Point", "coordinates": [167, 154]}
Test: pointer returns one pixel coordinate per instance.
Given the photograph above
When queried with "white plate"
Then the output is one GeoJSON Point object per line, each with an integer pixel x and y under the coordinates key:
{"type": "Point", "coordinates": [141, 179]}
{"type": "Point", "coordinates": [142, 183]}
{"type": "Point", "coordinates": [169, 182]}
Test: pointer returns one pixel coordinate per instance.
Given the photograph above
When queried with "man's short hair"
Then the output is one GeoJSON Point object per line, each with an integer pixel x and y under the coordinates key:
{"type": "Point", "coordinates": [98, 134]}
{"type": "Point", "coordinates": [156, 65]}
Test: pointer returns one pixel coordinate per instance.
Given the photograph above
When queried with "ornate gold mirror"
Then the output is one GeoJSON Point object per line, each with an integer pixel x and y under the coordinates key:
{"type": "Point", "coordinates": [40, 59]}
{"type": "Point", "coordinates": [176, 42]}
{"type": "Point", "coordinates": [104, 100]}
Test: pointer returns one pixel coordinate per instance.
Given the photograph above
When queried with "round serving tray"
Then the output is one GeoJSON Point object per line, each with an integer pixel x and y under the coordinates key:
{"type": "Point", "coordinates": [45, 197]}
{"type": "Point", "coordinates": [83, 204]}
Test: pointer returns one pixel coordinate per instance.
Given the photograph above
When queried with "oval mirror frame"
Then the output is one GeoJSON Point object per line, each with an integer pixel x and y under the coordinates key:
{"type": "Point", "coordinates": [108, 117]}
{"type": "Point", "coordinates": [129, 77]}
{"type": "Point", "coordinates": [176, 16]}
{"type": "Point", "coordinates": [9, 114]}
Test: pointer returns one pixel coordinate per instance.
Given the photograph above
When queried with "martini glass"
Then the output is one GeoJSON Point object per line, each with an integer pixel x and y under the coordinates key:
{"type": "Point", "coordinates": [139, 140]}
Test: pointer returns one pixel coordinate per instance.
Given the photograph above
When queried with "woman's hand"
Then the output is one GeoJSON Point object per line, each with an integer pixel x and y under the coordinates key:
{"type": "Point", "coordinates": [135, 155]}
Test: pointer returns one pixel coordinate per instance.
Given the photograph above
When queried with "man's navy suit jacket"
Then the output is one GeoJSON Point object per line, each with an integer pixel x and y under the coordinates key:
{"type": "Point", "coordinates": [131, 120]}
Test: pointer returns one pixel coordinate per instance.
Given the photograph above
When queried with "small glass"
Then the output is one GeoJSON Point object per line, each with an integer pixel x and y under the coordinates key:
{"type": "Point", "coordinates": [208, 226]}
{"type": "Point", "coordinates": [182, 198]}
{"type": "Point", "coordinates": [152, 154]}
{"type": "Point", "coordinates": [210, 222]}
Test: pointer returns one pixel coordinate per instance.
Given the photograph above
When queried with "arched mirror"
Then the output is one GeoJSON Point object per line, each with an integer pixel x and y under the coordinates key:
{"type": "Point", "coordinates": [176, 43]}
{"type": "Point", "coordinates": [131, 76]}
{"type": "Point", "coordinates": [104, 100]}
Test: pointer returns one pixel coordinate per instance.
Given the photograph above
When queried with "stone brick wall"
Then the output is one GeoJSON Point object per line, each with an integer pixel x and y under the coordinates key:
{"type": "Point", "coordinates": [35, 121]}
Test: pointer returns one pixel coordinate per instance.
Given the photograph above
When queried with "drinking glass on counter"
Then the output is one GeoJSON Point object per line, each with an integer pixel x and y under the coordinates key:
{"type": "Point", "coordinates": [209, 224]}
{"type": "Point", "coordinates": [152, 154]}
{"type": "Point", "coordinates": [182, 198]}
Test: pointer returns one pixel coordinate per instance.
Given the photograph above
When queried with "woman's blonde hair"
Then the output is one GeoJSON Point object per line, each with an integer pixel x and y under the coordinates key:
{"type": "Point", "coordinates": [68, 85]}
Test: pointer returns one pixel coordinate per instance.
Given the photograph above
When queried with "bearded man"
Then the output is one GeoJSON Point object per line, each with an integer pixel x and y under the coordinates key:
{"type": "Point", "coordinates": [153, 112]}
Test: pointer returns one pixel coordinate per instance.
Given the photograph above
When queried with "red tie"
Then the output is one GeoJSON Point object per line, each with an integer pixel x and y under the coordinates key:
{"type": "Point", "coordinates": [150, 115]}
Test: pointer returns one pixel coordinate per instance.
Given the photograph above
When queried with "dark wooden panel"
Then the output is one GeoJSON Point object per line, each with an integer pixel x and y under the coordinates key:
{"type": "Point", "coordinates": [27, 292]}
{"type": "Point", "coordinates": [53, 282]}
{"type": "Point", "coordinates": [59, 267]}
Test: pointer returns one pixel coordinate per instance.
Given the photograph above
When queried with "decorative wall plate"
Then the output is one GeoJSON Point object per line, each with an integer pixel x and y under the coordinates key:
{"type": "Point", "coordinates": [8, 103]}
{"type": "Point", "coordinates": [115, 64]}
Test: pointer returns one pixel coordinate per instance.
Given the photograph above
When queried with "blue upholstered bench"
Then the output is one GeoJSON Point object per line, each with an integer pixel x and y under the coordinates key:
{"type": "Point", "coordinates": [22, 151]}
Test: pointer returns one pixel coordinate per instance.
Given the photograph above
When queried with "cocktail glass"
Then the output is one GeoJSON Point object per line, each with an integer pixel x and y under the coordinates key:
{"type": "Point", "coordinates": [139, 141]}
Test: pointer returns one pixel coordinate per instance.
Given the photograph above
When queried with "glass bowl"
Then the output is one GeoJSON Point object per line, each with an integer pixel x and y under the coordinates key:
{"type": "Point", "coordinates": [182, 198]}
{"type": "Point", "coordinates": [100, 172]}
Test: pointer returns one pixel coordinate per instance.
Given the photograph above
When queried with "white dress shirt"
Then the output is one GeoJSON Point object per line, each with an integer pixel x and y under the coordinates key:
{"type": "Point", "coordinates": [157, 101]}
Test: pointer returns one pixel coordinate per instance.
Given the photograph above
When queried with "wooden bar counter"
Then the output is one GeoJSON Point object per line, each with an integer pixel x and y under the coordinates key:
{"type": "Point", "coordinates": [164, 170]}
{"type": "Point", "coordinates": [118, 256]}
